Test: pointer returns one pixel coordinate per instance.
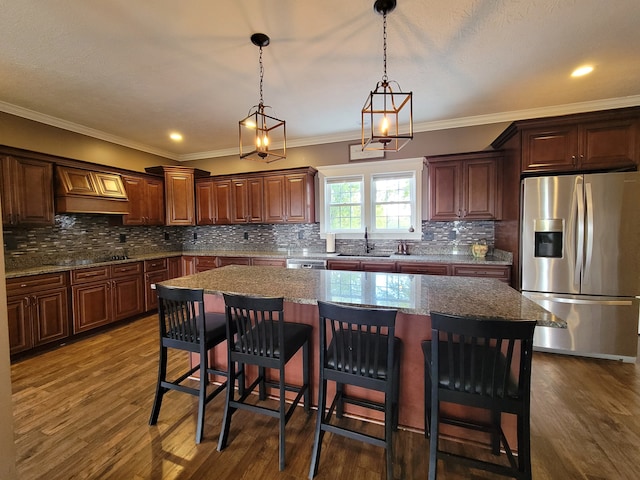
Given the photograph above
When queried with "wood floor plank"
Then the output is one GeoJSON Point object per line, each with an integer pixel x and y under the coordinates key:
{"type": "Point", "coordinates": [81, 412]}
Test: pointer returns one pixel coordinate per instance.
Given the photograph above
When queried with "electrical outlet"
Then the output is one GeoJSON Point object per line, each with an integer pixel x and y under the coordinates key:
{"type": "Point", "coordinates": [301, 235]}
{"type": "Point", "coordinates": [123, 238]}
{"type": "Point", "coordinates": [246, 235]}
{"type": "Point", "coordinates": [166, 235]}
{"type": "Point", "coordinates": [195, 235]}
{"type": "Point", "coordinates": [452, 235]}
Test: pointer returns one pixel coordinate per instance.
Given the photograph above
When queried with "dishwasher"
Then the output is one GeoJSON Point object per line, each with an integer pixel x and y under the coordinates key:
{"type": "Point", "coordinates": [308, 263]}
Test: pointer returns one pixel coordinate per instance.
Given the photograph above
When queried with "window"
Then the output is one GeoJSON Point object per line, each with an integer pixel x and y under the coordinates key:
{"type": "Point", "coordinates": [344, 202]}
{"type": "Point", "coordinates": [392, 202]}
{"type": "Point", "coordinates": [381, 196]}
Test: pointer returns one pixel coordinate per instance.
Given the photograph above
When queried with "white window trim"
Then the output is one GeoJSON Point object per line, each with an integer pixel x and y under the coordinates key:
{"type": "Point", "coordinates": [367, 170]}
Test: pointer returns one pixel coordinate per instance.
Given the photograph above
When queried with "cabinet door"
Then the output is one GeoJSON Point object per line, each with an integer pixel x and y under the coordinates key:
{"type": "Point", "coordinates": [240, 200]}
{"type": "Point", "coordinates": [135, 187]}
{"type": "Point", "coordinates": [50, 316]}
{"type": "Point", "coordinates": [20, 338]}
{"type": "Point", "coordinates": [424, 268]}
{"type": "Point", "coordinates": [35, 192]}
{"type": "Point", "coordinates": [479, 190]}
{"type": "Point", "coordinates": [91, 306]}
{"type": "Point", "coordinates": [10, 200]}
{"type": "Point", "coordinates": [205, 203]}
{"type": "Point", "coordinates": [550, 149]}
{"type": "Point", "coordinates": [180, 198]}
{"type": "Point", "coordinates": [188, 265]}
{"type": "Point", "coordinates": [174, 266]}
{"type": "Point", "coordinates": [150, 295]}
{"type": "Point", "coordinates": [608, 144]}
{"type": "Point", "coordinates": [154, 204]}
{"type": "Point", "coordinates": [247, 199]}
{"type": "Point", "coordinates": [128, 297]}
{"type": "Point", "coordinates": [274, 199]}
{"type": "Point", "coordinates": [297, 201]}
{"type": "Point", "coordinates": [445, 179]}
{"type": "Point", "coordinates": [222, 201]}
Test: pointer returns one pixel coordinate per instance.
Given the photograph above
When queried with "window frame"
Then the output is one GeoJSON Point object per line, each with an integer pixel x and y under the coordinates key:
{"type": "Point", "coordinates": [368, 171]}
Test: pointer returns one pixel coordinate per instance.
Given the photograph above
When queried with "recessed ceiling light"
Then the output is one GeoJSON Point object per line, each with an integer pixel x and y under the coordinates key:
{"type": "Point", "coordinates": [583, 70]}
{"type": "Point", "coordinates": [175, 136]}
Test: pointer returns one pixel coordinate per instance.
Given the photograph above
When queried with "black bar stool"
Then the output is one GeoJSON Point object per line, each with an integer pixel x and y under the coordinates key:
{"type": "Point", "coordinates": [263, 339]}
{"type": "Point", "coordinates": [357, 347]}
{"type": "Point", "coordinates": [484, 363]}
{"type": "Point", "coordinates": [185, 326]}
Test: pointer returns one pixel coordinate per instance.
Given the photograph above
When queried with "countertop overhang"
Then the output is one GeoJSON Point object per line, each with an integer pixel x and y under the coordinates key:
{"type": "Point", "coordinates": [409, 293]}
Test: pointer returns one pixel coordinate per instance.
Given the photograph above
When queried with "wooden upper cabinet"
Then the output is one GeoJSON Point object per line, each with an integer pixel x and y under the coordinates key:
{"type": "Point", "coordinates": [205, 204]}
{"type": "Point", "coordinates": [289, 197]}
{"type": "Point", "coordinates": [27, 191]}
{"type": "Point", "coordinates": [247, 199]}
{"type": "Point", "coordinates": [596, 141]}
{"type": "Point", "coordinates": [274, 201]}
{"type": "Point", "coordinates": [279, 196]}
{"type": "Point", "coordinates": [146, 200]}
{"type": "Point", "coordinates": [465, 186]}
{"type": "Point", "coordinates": [179, 190]}
{"type": "Point", "coordinates": [213, 201]}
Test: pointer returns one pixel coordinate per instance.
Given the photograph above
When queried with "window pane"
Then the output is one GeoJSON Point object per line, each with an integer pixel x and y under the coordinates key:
{"type": "Point", "coordinates": [345, 205]}
{"type": "Point", "coordinates": [393, 206]}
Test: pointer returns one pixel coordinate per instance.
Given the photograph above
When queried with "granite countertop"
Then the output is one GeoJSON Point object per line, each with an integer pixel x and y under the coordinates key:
{"type": "Point", "coordinates": [64, 265]}
{"type": "Point", "coordinates": [411, 294]}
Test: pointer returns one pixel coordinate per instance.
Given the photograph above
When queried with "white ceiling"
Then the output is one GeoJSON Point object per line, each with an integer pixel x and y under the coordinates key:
{"type": "Point", "coordinates": [131, 71]}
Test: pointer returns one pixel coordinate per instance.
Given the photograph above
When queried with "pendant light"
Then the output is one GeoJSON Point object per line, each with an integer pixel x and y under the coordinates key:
{"type": "Point", "coordinates": [262, 137]}
{"type": "Point", "coordinates": [387, 115]}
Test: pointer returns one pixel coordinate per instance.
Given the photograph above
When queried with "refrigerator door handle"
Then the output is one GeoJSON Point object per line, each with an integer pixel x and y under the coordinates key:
{"type": "Point", "coordinates": [589, 228]}
{"type": "Point", "coordinates": [580, 235]}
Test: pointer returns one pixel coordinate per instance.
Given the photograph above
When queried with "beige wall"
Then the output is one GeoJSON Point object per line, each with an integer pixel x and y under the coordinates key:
{"type": "Point", "coordinates": [29, 135]}
{"type": "Point", "coordinates": [454, 140]}
{"type": "Point", "coordinates": [7, 446]}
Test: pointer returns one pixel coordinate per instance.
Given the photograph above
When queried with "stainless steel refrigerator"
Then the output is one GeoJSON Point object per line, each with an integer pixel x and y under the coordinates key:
{"type": "Point", "coordinates": [580, 254]}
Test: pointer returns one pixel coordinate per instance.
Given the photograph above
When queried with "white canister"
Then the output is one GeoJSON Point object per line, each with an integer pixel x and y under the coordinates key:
{"type": "Point", "coordinates": [331, 242]}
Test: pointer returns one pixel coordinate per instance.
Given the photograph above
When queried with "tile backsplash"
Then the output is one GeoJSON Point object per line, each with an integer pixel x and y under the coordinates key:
{"type": "Point", "coordinates": [96, 237]}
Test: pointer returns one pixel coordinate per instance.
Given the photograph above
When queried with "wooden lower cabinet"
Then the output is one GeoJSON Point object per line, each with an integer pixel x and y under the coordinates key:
{"type": "Point", "coordinates": [174, 266]}
{"type": "Point", "coordinates": [270, 262]}
{"type": "Point", "coordinates": [202, 264]}
{"type": "Point", "coordinates": [424, 268]}
{"type": "Point", "coordinates": [106, 294]}
{"type": "Point", "coordinates": [155, 271]}
{"type": "Point", "coordinates": [37, 311]}
{"type": "Point", "coordinates": [224, 261]}
{"type": "Point", "coordinates": [499, 272]}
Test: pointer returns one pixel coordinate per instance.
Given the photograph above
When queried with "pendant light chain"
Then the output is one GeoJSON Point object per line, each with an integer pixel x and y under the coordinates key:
{"type": "Point", "coordinates": [384, 48]}
{"type": "Point", "coordinates": [261, 76]}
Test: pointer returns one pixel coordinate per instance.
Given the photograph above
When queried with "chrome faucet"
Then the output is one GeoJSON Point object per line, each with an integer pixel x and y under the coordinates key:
{"type": "Point", "coordinates": [367, 247]}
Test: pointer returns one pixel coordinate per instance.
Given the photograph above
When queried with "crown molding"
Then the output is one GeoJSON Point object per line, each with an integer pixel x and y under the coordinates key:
{"type": "Point", "coordinates": [511, 116]}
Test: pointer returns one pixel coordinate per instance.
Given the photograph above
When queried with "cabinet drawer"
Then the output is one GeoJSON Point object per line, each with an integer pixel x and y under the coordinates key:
{"type": "Point", "coordinates": [490, 271]}
{"type": "Point", "coordinates": [155, 265]}
{"type": "Point", "coordinates": [272, 262]}
{"type": "Point", "coordinates": [126, 269]}
{"type": "Point", "coordinates": [93, 274]}
{"type": "Point", "coordinates": [424, 268]}
{"type": "Point", "coordinates": [205, 263]}
{"type": "Point", "coordinates": [224, 261]}
{"type": "Point", "coordinates": [21, 285]}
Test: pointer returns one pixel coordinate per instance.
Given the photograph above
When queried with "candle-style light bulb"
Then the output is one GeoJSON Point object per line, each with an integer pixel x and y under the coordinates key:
{"type": "Point", "coordinates": [384, 126]}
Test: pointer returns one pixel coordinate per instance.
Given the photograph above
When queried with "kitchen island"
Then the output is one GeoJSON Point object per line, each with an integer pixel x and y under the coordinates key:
{"type": "Point", "coordinates": [414, 296]}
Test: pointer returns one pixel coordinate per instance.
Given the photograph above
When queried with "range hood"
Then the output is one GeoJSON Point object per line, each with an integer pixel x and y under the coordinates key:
{"type": "Point", "coordinates": [88, 191]}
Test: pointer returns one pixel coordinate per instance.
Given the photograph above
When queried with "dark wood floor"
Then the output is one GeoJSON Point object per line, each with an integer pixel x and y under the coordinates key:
{"type": "Point", "coordinates": [81, 411]}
